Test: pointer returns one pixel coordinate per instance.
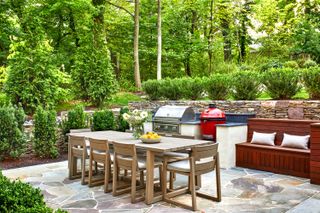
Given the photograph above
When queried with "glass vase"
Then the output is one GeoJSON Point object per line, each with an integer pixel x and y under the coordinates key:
{"type": "Point", "coordinates": [137, 131]}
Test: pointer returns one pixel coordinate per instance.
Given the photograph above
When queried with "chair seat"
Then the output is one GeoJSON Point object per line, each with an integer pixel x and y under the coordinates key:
{"type": "Point", "coordinates": [184, 165]}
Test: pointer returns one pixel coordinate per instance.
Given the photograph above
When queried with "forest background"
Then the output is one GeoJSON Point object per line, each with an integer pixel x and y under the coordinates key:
{"type": "Point", "coordinates": [54, 52]}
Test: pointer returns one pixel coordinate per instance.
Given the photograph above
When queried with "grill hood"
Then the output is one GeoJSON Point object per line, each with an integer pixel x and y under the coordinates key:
{"type": "Point", "coordinates": [179, 113]}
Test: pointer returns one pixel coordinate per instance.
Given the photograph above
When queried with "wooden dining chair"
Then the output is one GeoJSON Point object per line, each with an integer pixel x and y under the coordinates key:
{"type": "Point", "coordinates": [77, 149]}
{"type": "Point", "coordinates": [100, 154]}
{"type": "Point", "coordinates": [203, 159]}
{"type": "Point", "coordinates": [125, 157]}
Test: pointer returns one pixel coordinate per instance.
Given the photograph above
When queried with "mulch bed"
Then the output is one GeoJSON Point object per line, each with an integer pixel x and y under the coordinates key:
{"type": "Point", "coordinates": [29, 160]}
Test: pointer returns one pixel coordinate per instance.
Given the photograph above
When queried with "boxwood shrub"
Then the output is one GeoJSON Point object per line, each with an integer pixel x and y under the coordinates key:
{"type": "Point", "coordinates": [192, 88]}
{"type": "Point", "coordinates": [12, 139]}
{"type": "Point", "coordinates": [152, 89]}
{"type": "Point", "coordinates": [218, 86]}
{"type": "Point", "coordinates": [281, 83]}
{"type": "Point", "coordinates": [103, 120]}
{"type": "Point", "coordinates": [311, 80]}
{"type": "Point", "coordinates": [18, 197]}
{"type": "Point", "coordinates": [246, 85]}
{"type": "Point", "coordinates": [45, 135]}
{"type": "Point", "coordinates": [77, 119]}
{"type": "Point", "coordinates": [171, 89]}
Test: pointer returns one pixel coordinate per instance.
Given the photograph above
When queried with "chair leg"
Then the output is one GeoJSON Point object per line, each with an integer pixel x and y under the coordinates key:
{"type": "Point", "coordinates": [70, 166]}
{"type": "Point", "coordinates": [106, 175]}
{"type": "Point", "coordinates": [115, 179]}
{"type": "Point", "coordinates": [164, 180]}
{"type": "Point", "coordinates": [218, 180]}
{"type": "Point", "coordinates": [141, 178]}
{"type": "Point", "coordinates": [193, 191]}
{"type": "Point", "coordinates": [83, 171]}
{"type": "Point", "coordinates": [160, 175]}
{"type": "Point", "coordinates": [171, 180]}
{"type": "Point", "coordinates": [90, 171]}
{"type": "Point", "coordinates": [133, 184]}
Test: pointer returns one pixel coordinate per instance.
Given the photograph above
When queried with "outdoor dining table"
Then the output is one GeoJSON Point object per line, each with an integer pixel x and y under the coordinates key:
{"type": "Point", "coordinates": [167, 144]}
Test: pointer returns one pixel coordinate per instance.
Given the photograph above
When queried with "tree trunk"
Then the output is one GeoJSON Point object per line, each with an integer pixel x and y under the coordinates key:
{"type": "Point", "coordinates": [115, 64]}
{"type": "Point", "coordinates": [187, 66]}
{"type": "Point", "coordinates": [210, 37]}
{"type": "Point", "coordinates": [136, 45]}
{"type": "Point", "coordinates": [159, 42]}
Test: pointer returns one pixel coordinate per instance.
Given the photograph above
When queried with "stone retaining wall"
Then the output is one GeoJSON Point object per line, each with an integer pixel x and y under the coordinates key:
{"type": "Point", "coordinates": [292, 109]}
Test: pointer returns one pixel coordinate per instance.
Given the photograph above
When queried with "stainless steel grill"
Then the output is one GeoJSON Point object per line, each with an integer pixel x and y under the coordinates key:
{"type": "Point", "coordinates": [168, 119]}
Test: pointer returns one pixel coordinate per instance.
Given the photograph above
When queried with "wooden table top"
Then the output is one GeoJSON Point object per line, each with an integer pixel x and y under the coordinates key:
{"type": "Point", "coordinates": [167, 144]}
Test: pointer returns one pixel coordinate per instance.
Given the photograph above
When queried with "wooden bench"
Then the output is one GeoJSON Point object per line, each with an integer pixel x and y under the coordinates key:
{"type": "Point", "coordinates": [277, 159]}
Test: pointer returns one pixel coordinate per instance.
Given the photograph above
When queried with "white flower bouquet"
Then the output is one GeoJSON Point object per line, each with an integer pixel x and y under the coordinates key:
{"type": "Point", "coordinates": [136, 118]}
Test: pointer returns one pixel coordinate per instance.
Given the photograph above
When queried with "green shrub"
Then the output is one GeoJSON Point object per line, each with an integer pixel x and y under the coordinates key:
{"type": "Point", "coordinates": [152, 89]}
{"type": "Point", "coordinates": [218, 86]}
{"type": "Point", "coordinates": [291, 64]}
{"type": "Point", "coordinates": [4, 99]}
{"type": "Point", "coordinates": [93, 76]}
{"type": "Point", "coordinates": [311, 79]}
{"type": "Point", "coordinates": [77, 119]}
{"type": "Point", "coordinates": [192, 88]}
{"type": "Point", "coordinates": [246, 85]}
{"type": "Point", "coordinates": [171, 89]}
{"type": "Point", "coordinates": [122, 125]}
{"type": "Point", "coordinates": [271, 64]}
{"type": "Point", "coordinates": [12, 140]}
{"type": "Point", "coordinates": [45, 136]}
{"type": "Point", "coordinates": [103, 120]}
{"type": "Point", "coordinates": [32, 74]}
{"type": "Point", "coordinates": [3, 77]}
{"type": "Point", "coordinates": [309, 63]}
{"type": "Point", "coordinates": [281, 83]}
{"type": "Point", "coordinates": [19, 197]}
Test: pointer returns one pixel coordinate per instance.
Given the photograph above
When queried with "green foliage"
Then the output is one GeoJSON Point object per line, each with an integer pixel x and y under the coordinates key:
{"type": "Point", "coordinates": [93, 76]}
{"type": "Point", "coordinates": [218, 86]}
{"type": "Point", "coordinates": [281, 83]}
{"type": "Point", "coordinates": [291, 64]}
{"type": "Point", "coordinates": [4, 100]}
{"type": "Point", "coordinates": [152, 89]}
{"type": "Point", "coordinates": [3, 76]}
{"type": "Point", "coordinates": [311, 79]}
{"type": "Point", "coordinates": [77, 119]}
{"type": "Point", "coordinates": [171, 89]}
{"type": "Point", "coordinates": [246, 85]}
{"type": "Point", "coordinates": [192, 88]}
{"type": "Point", "coordinates": [309, 63]}
{"type": "Point", "coordinates": [45, 137]}
{"type": "Point", "coordinates": [271, 64]}
{"type": "Point", "coordinates": [32, 75]}
{"type": "Point", "coordinates": [12, 140]}
{"type": "Point", "coordinates": [16, 196]}
{"type": "Point", "coordinates": [122, 125]}
{"type": "Point", "coordinates": [103, 120]}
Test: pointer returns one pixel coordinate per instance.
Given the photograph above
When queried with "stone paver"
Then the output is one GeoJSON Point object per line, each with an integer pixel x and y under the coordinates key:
{"type": "Point", "coordinates": [243, 190]}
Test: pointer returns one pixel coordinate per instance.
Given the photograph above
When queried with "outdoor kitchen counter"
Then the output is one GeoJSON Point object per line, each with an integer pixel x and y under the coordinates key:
{"type": "Point", "coordinates": [167, 144]}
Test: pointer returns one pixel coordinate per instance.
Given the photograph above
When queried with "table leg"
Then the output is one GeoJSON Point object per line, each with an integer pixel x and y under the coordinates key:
{"type": "Point", "coordinates": [150, 177]}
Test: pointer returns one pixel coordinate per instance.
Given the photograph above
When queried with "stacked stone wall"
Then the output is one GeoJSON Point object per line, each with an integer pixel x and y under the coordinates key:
{"type": "Point", "coordinates": [291, 109]}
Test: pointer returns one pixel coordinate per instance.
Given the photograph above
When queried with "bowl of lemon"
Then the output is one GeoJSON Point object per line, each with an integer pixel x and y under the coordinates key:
{"type": "Point", "coordinates": [150, 137]}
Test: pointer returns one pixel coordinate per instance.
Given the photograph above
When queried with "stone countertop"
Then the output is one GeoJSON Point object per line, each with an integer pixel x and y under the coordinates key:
{"type": "Point", "coordinates": [232, 124]}
{"type": "Point", "coordinates": [192, 122]}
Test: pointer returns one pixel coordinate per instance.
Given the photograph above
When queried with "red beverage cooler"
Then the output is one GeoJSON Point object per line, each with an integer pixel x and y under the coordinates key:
{"type": "Point", "coordinates": [209, 118]}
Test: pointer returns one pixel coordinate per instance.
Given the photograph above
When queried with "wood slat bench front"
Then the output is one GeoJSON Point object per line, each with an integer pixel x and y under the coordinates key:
{"type": "Point", "coordinates": [276, 159]}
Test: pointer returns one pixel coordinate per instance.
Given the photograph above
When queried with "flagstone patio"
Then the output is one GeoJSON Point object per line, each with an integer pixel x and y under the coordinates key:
{"type": "Point", "coordinates": [243, 190]}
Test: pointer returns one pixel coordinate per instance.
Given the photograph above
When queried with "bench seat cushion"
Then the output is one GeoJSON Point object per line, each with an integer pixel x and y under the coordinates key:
{"type": "Point", "coordinates": [277, 148]}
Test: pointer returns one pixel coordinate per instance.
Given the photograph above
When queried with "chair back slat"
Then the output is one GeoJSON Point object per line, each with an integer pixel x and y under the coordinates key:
{"type": "Point", "coordinates": [124, 149]}
{"type": "Point", "coordinates": [77, 141]}
{"type": "Point", "coordinates": [206, 151]}
{"type": "Point", "coordinates": [98, 144]}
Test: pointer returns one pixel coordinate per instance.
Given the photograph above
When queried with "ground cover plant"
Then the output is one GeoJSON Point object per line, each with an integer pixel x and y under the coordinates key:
{"type": "Point", "coordinates": [16, 197]}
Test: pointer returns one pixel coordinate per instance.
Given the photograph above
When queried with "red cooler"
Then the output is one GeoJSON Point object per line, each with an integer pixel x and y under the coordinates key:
{"type": "Point", "coordinates": [209, 119]}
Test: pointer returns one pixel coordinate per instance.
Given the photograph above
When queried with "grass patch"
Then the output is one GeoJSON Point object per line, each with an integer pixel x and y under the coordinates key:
{"type": "Point", "coordinates": [122, 99]}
